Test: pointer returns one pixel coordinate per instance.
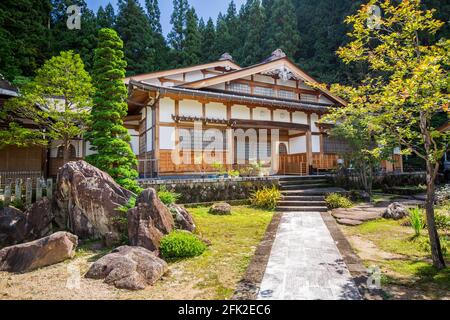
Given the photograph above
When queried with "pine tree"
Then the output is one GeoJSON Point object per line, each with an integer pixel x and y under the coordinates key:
{"type": "Point", "coordinates": [282, 30]}
{"type": "Point", "coordinates": [108, 136]}
{"type": "Point", "coordinates": [192, 43]}
{"type": "Point", "coordinates": [24, 36]}
{"type": "Point", "coordinates": [106, 18]}
{"type": "Point", "coordinates": [208, 35]}
{"type": "Point", "coordinates": [133, 27]}
{"type": "Point", "coordinates": [154, 15]}
{"type": "Point", "coordinates": [177, 34]}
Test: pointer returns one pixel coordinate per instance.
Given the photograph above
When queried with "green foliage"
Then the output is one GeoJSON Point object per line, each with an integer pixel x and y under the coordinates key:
{"type": "Point", "coordinates": [416, 220]}
{"type": "Point", "coordinates": [64, 117]}
{"type": "Point", "coordinates": [2, 204]}
{"type": "Point", "coordinates": [167, 197]}
{"type": "Point", "coordinates": [266, 198]}
{"type": "Point", "coordinates": [107, 134]}
{"type": "Point", "coordinates": [181, 244]}
{"type": "Point", "coordinates": [18, 204]}
{"type": "Point", "coordinates": [442, 222]}
{"type": "Point", "coordinates": [192, 40]}
{"type": "Point", "coordinates": [336, 200]}
{"type": "Point", "coordinates": [233, 173]}
{"type": "Point", "coordinates": [133, 26]}
{"type": "Point", "coordinates": [122, 219]}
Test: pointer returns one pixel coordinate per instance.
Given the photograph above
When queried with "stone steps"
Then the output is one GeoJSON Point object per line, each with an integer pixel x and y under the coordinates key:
{"type": "Point", "coordinates": [302, 209]}
{"type": "Point", "coordinates": [303, 186]}
{"type": "Point", "coordinates": [303, 203]}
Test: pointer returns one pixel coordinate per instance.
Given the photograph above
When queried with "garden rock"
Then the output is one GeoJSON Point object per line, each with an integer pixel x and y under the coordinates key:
{"type": "Point", "coordinates": [39, 253]}
{"type": "Point", "coordinates": [17, 226]}
{"type": "Point", "coordinates": [183, 219]}
{"type": "Point", "coordinates": [395, 211]}
{"type": "Point", "coordinates": [221, 208]}
{"type": "Point", "coordinates": [87, 200]}
{"type": "Point", "coordinates": [126, 267]}
{"type": "Point", "coordinates": [149, 221]}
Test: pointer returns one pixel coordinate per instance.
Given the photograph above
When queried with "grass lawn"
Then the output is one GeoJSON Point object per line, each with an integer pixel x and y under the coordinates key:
{"type": "Point", "coordinates": [213, 275]}
{"type": "Point", "coordinates": [405, 261]}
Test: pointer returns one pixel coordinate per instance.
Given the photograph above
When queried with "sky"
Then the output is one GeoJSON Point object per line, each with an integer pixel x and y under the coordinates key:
{"type": "Point", "coordinates": [204, 8]}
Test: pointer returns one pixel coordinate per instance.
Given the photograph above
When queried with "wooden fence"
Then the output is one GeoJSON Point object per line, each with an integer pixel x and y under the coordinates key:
{"type": "Point", "coordinates": [24, 190]}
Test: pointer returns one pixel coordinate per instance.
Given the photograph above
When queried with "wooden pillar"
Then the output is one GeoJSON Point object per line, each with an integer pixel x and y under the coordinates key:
{"type": "Point", "coordinates": [156, 135]}
{"type": "Point", "coordinates": [308, 146]}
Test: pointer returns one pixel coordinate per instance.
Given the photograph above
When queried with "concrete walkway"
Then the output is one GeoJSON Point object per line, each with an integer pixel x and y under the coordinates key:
{"type": "Point", "coordinates": [305, 263]}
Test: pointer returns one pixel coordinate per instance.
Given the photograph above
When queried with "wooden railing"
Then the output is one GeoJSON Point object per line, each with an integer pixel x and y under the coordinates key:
{"type": "Point", "coordinates": [293, 164]}
{"type": "Point", "coordinates": [324, 161]}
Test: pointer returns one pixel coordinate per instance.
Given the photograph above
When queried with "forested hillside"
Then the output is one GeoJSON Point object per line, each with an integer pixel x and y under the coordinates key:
{"type": "Point", "coordinates": [309, 31]}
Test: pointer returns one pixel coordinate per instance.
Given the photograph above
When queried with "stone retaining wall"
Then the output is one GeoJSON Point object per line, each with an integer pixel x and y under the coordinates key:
{"type": "Point", "coordinates": [212, 190]}
{"type": "Point", "coordinates": [382, 181]}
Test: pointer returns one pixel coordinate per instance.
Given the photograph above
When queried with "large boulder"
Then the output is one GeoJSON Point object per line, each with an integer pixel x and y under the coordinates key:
{"type": "Point", "coordinates": [17, 226]}
{"type": "Point", "coordinates": [39, 253]}
{"type": "Point", "coordinates": [221, 209]}
{"type": "Point", "coordinates": [149, 221]}
{"type": "Point", "coordinates": [183, 219]}
{"type": "Point", "coordinates": [12, 226]}
{"type": "Point", "coordinates": [132, 268]}
{"type": "Point", "coordinates": [87, 200]}
{"type": "Point", "coordinates": [395, 211]}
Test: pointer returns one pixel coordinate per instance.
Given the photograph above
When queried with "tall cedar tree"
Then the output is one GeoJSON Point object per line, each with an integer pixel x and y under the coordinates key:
{"type": "Point", "coordinates": [282, 27]}
{"type": "Point", "coordinates": [176, 36]}
{"type": "Point", "coordinates": [64, 118]}
{"type": "Point", "coordinates": [208, 35]}
{"type": "Point", "coordinates": [253, 51]}
{"type": "Point", "coordinates": [24, 36]}
{"type": "Point", "coordinates": [106, 18]}
{"type": "Point", "coordinates": [108, 136]}
{"type": "Point", "coordinates": [82, 41]}
{"type": "Point", "coordinates": [133, 27]}
{"type": "Point", "coordinates": [159, 42]}
{"type": "Point", "coordinates": [192, 40]}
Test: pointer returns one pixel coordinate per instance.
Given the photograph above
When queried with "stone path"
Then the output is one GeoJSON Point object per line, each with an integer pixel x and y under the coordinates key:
{"type": "Point", "coordinates": [305, 263]}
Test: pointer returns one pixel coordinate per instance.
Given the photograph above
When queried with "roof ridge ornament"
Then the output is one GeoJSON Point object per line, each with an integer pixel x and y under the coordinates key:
{"type": "Point", "coordinates": [278, 54]}
{"type": "Point", "coordinates": [226, 56]}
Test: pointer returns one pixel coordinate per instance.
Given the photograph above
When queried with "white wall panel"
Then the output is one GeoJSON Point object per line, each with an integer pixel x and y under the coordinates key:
{"type": "Point", "coordinates": [314, 119]}
{"type": "Point", "coordinates": [216, 110]}
{"type": "Point", "coordinates": [166, 138]}
{"type": "Point", "coordinates": [281, 115]}
{"type": "Point", "coordinates": [297, 145]}
{"type": "Point", "coordinates": [190, 108]}
{"type": "Point", "coordinates": [315, 143]}
{"type": "Point", "coordinates": [300, 117]}
{"type": "Point", "coordinates": [261, 114]}
{"type": "Point", "coordinates": [166, 109]}
{"type": "Point", "coordinates": [240, 112]}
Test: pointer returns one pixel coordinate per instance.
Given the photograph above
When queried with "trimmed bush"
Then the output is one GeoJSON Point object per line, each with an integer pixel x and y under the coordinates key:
{"type": "Point", "coordinates": [266, 198]}
{"type": "Point", "coordinates": [181, 244]}
{"type": "Point", "coordinates": [335, 200]}
{"type": "Point", "coordinates": [167, 197]}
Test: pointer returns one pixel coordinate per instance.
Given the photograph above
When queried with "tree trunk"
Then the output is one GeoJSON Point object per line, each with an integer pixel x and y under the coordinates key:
{"type": "Point", "coordinates": [436, 251]}
{"type": "Point", "coordinates": [66, 154]}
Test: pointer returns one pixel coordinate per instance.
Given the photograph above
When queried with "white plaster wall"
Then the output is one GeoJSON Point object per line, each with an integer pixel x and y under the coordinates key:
{"type": "Point", "coordinates": [240, 112]}
{"type": "Point", "coordinates": [265, 79]}
{"type": "Point", "coordinates": [261, 114]}
{"type": "Point", "coordinates": [88, 150]}
{"type": "Point", "coordinates": [178, 77]}
{"type": "Point", "coordinates": [190, 108]}
{"type": "Point", "coordinates": [281, 115]}
{"type": "Point", "coordinates": [300, 117]}
{"type": "Point", "coordinates": [314, 119]}
{"type": "Point", "coordinates": [166, 138]}
{"type": "Point", "coordinates": [315, 143]}
{"type": "Point", "coordinates": [194, 76]}
{"type": "Point", "coordinates": [149, 118]}
{"type": "Point", "coordinates": [288, 83]}
{"type": "Point", "coordinates": [166, 110]}
{"type": "Point", "coordinates": [216, 110]}
{"type": "Point", "coordinates": [297, 145]}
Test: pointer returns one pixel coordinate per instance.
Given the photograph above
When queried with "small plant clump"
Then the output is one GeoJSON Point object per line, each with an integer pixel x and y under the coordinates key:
{"type": "Point", "coordinates": [416, 220]}
{"type": "Point", "coordinates": [181, 244]}
{"type": "Point", "coordinates": [336, 200]}
{"type": "Point", "coordinates": [167, 197]}
{"type": "Point", "coordinates": [266, 198]}
{"type": "Point", "coordinates": [122, 220]}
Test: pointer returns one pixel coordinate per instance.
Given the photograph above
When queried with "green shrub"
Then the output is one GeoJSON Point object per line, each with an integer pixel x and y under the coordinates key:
{"type": "Point", "coordinates": [416, 220]}
{"type": "Point", "coordinates": [266, 198]}
{"type": "Point", "coordinates": [18, 204]}
{"type": "Point", "coordinates": [181, 244]}
{"type": "Point", "coordinates": [167, 197]}
{"type": "Point", "coordinates": [424, 244]}
{"type": "Point", "coordinates": [2, 204]}
{"type": "Point", "coordinates": [335, 200]}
